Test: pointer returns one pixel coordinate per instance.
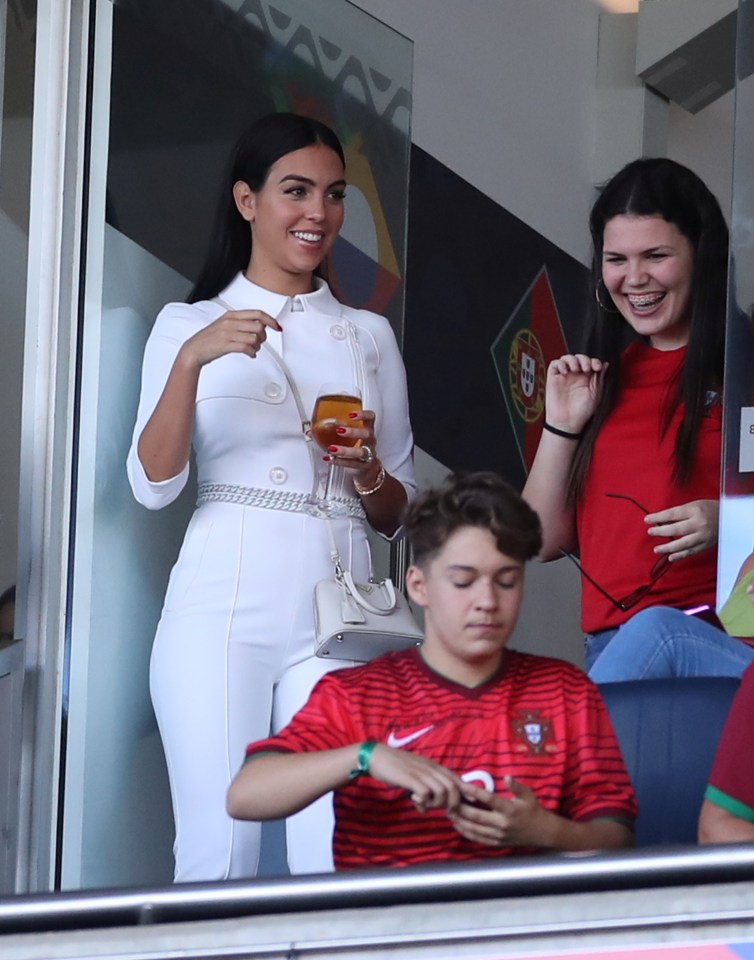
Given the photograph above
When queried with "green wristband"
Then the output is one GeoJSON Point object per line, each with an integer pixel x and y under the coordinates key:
{"type": "Point", "coordinates": [362, 759]}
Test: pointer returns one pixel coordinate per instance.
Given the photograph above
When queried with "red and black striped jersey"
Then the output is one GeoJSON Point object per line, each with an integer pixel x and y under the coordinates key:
{"type": "Point", "coordinates": [538, 719]}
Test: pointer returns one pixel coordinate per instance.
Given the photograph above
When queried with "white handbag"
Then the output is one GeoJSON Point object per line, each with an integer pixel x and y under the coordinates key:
{"type": "Point", "coordinates": [360, 621]}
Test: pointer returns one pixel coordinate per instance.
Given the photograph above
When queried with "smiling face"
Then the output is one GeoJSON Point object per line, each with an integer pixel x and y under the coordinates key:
{"type": "Point", "coordinates": [471, 594]}
{"type": "Point", "coordinates": [295, 218]}
{"type": "Point", "coordinates": [647, 267]}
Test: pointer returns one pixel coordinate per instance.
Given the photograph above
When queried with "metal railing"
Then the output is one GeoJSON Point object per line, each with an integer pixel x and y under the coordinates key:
{"type": "Point", "coordinates": [530, 876]}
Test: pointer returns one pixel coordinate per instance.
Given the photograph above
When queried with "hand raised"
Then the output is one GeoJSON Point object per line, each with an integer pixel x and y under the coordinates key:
{"type": "Point", "coordinates": [237, 331]}
{"type": "Point", "coordinates": [572, 391]}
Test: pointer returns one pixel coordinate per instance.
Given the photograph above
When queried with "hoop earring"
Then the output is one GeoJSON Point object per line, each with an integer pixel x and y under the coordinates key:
{"type": "Point", "coordinates": [600, 304]}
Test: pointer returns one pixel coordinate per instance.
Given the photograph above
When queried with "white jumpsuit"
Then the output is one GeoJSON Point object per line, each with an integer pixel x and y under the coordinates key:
{"type": "Point", "coordinates": [233, 654]}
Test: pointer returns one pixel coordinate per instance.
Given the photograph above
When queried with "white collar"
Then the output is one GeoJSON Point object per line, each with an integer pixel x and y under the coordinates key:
{"type": "Point", "coordinates": [242, 294]}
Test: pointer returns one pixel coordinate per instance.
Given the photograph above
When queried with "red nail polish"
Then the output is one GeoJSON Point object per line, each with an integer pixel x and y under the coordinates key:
{"type": "Point", "coordinates": [354, 415]}
{"type": "Point", "coordinates": [332, 449]}
{"type": "Point", "coordinates": [340, 429]}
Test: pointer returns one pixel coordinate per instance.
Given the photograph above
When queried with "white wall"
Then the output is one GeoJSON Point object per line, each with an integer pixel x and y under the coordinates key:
{"type": "Point", "coordinates": [504, 94]}
{"type": "Point", "coordinates": [704, 142]}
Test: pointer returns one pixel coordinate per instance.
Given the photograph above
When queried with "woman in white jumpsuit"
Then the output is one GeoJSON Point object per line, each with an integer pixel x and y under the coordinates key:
{"type": "Point", "coordinates": [233, 655]}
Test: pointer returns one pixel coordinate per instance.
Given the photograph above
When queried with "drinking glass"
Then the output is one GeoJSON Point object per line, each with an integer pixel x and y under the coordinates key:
{"type": "Point", "coordinates": [335, 401]}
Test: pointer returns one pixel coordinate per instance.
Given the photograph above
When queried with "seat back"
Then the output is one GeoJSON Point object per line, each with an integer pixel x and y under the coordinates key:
{"type": "Point", "coordinates": [668, 731]}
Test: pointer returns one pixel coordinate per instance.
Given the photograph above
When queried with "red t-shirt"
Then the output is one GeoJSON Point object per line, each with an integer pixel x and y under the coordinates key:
{"type": "Point", "coordinates": [631, 456]}
{"type": "Point", "coordinates": [539, 719]}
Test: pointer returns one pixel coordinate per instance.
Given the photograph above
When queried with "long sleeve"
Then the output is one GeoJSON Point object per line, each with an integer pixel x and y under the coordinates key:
{"type": "Point", "coordinates": [173, 326]}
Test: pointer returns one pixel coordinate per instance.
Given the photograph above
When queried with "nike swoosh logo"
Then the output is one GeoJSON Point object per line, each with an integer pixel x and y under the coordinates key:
{"type": "Point", "coordinates": [393, 741]}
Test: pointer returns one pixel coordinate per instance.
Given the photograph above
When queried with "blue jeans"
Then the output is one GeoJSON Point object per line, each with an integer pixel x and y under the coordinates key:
{"type": "Point", "coordinates": [663, 642]}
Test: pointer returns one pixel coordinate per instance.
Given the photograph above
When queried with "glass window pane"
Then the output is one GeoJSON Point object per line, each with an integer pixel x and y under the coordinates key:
{"type": "Point", "coordinates": [185, 79]}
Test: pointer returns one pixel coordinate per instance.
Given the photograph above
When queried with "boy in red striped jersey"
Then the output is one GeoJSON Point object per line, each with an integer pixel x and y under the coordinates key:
{"type": "Point", "coordinates": [460, 749]}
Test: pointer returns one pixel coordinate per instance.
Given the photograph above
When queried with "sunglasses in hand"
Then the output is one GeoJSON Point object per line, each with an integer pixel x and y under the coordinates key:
{"type": "Point", "coordinates": [659, 568]}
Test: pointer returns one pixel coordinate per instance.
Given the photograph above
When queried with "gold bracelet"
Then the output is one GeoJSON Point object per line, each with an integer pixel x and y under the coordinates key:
{"type": "Point", "coordinates": [368, 491]}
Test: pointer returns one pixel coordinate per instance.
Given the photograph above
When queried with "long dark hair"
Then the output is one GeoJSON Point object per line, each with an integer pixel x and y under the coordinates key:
{"type": "Point", "coordinates": [656, 186]}
{"type": "Point", "coordinates": [262, 144]}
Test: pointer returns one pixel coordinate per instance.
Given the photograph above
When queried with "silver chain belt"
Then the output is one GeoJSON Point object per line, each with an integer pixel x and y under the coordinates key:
{"type": "Point", "coordinates": [286, 500]}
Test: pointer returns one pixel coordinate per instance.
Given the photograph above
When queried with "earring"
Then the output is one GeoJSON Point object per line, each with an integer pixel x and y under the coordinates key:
{"type": "Point", "coordinates": [600, 304]}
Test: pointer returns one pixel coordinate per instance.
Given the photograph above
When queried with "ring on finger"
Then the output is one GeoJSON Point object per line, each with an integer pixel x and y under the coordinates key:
{"type": "Point", "coordinates": [369, 453]}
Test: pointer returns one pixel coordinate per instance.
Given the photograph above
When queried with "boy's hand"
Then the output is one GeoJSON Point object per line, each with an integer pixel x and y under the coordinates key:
{"type": "Point", "coordinates": [496, 821]}
{"type": "Point", "coordinates": [431, 785]}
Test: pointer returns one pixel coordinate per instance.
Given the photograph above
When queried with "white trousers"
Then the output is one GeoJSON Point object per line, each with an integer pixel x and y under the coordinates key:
{"type": "Point", "coordinates": [233, 660]}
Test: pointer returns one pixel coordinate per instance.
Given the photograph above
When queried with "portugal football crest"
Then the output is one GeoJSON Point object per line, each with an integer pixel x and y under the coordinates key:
{"type": "Point", "coordinates": [526, 375]}
{"type": "Point", "coordinates": [532, 731]}
{"type": "Point", "coordinates": [530, 338]}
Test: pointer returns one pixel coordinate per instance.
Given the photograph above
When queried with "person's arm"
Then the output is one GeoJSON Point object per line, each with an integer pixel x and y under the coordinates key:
{"type": "Point", "coordinates": [573, 387]}
{"type": "Point", "coordinates": [546, 491]}
{"type": "Point", "coordinates": [727, 814]}
{"type": "Point", "coordinates": [384, 508]}
{"type": "Point", "coordinates": [717, 825]}
{"type": "Point", "coordinates": [164, 445]}
{"type": "Point", "coordinates": [521, 821]}
{"type": "Point", "coordinates": [746, 567]}
{"type": "Point", "coordinates": [272, 785]}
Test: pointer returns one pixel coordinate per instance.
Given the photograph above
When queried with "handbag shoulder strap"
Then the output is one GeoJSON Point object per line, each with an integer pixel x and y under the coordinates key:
{"type": "Point", "coordinates": [305, 430]}
{"type": "Point", "coordinates": [268, 348]}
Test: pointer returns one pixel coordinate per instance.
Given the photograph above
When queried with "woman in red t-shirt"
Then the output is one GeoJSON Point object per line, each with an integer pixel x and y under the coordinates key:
{"type": "Point", "coordinates": [627, 473]}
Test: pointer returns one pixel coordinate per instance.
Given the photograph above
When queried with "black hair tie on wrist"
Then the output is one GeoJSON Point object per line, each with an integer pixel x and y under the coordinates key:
{"type": "Point", "coordinates": [561, 433]}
